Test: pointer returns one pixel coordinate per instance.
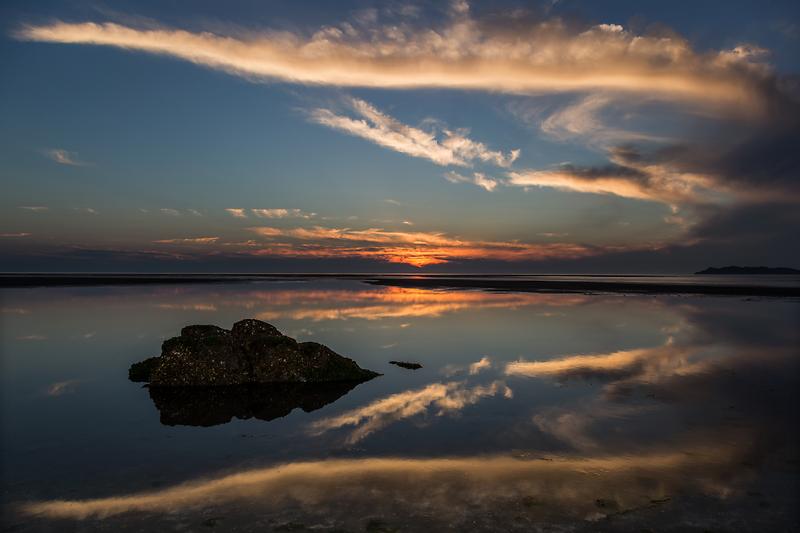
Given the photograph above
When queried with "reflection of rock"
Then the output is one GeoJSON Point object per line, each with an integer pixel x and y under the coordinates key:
{"type": "Point", "coordinates": [251, 352]}
{"type": "Point", "coordinates": [404, 364]}
{"type": "Point", "coordinates": [210, 406]}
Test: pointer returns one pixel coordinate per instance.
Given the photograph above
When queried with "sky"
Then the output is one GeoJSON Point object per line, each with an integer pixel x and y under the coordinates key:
{"type": "Point", "coordinates": [554, 136]}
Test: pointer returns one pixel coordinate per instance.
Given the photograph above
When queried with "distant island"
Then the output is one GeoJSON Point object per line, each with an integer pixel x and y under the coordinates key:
{"type": "Point", "coordinates": [749, 270]}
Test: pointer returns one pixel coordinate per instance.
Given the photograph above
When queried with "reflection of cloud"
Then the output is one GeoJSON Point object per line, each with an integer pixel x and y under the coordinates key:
{"type": "Point", "coordinates": [31, 338]}
{"type": "Point", "coordinates": [473, 368]}
{"type": "Point", "coordinates": [443, 398]}
{"type": "Point", "coordinates": [623, 362]}
{"type": "Point", "coordinates": [568, 485]}
{"type": "Point", "coordinates": [643, 365]}
{"type": "Point", "coordinates": [62, 387]}
{"type": "Point", "coordinates": [395, 302]}
{"type": "Point", "coordinates": [723, 395]}
{"type": "Point", "coordinates": [573, 425]}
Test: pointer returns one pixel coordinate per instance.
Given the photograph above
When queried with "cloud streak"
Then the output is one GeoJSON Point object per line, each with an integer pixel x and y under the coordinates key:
{"type": "Point", "coordinates": [461, 53]}
{"type": "Point", "coordinates": [478, 178]}
{"type": "Point", "coordinates": [629, 175]}
{"type": "Point", "coordinates": [412, 248]}
{"type": "Point", "coordinates": [189, 240]}
{"type": "Point", "coordinates": [441, 398]}
{"type": "Point", "coordinates": [65, 157]}
{"type": "Point", "coordinates": [281, 213]}
{"type": "Point", "coordinates": [236, 212]}
{"type": "Point", "coordinates": [453, 148]}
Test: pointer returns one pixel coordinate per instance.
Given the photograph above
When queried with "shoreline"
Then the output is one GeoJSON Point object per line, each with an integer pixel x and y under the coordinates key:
{"type": "Point", "coordinates": [582, 286]}
{"type": "Point", "coordinates": [505, 283]}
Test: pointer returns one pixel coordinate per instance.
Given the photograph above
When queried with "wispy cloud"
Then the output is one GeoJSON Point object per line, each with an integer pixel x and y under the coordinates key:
{"type": "Point", "coordinates": [479, 366]}
{"type": "Point", "coordinates": [34, 337]}
{"type": "Point", "coordinates": [281, 213]}
{"type": "Point", "coordinates": [189, 240]}
{"type": "Point", "coordinates": [65, 157]}
{"type": "Point", "coordinates": [34, 208]}
{"type": "Point", "coordinates": [13, 235]}
{"type": "Point", "coordinates": [477, 178]}
{"type": "Point", "coordinates": [582, 120]}
{"type": "Point", "coordinates": [169, 211]}
{"type": "Point", "coordinates": [462, 53]}
{"type": "Point", "coordinates": [88, 210]}
{"type": "Point", "coordinates": [630, 175]}
{"type": "Point", "coordinates": [15, 310]}
{"type": "Point", "coordinates": [188, 307]}
{"type": "Point", "coordinates": [236, 212]}
{"type": "Point", "coordinates": [452, 147]}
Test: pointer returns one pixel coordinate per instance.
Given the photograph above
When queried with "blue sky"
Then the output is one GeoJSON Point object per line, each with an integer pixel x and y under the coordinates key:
{"type": "Point", "coordinates": [317, 136]}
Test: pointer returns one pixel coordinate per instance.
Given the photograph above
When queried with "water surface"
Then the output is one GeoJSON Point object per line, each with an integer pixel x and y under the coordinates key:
{"type": "Point", "coordinates": [532, 410]}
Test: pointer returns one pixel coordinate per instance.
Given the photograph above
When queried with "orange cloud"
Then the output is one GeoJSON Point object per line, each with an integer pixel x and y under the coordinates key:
{"type": "Point", "coordinates": [630, 176]}
{"type": "Point", "coordinates": [442, 397]}
{"type": "Point", "coordinates": [412, 248]}
{"type": "Point", "coordinates": [462, 53]}
{"type": "Point", "coordinates": [440, 486]}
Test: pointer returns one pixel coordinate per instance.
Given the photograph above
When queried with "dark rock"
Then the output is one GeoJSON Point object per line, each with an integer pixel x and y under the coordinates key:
{"type": "Point", "coordinates": [211, 406]}
{"type": "Point", "coordinates": [251, 352]}
{"type": "Point", "coordinates": [749, 270]}
{"type": "Point", "coordinates": [140, 372]}
{"type": "Point", "coordinates": [404, 364]}
{"type": "Point", "coordinates": [251, 327]}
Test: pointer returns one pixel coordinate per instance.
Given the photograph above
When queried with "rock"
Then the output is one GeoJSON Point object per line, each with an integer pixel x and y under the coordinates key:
{"type": "Point", "coordinates": [140, 372]}
{"type": "Point", "coordinates": [251, 352]}
{"type": "Point", "coordinates": [404, 364]}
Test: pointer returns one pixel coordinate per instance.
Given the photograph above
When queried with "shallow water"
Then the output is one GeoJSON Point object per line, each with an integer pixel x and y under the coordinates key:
{"type": "Point", "coordinates": [566, 411]}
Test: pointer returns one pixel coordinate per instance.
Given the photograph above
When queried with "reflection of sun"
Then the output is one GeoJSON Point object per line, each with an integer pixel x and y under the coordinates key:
{"type": "Point", "coordinates": [418, 261]}
{"type": "Point", "coordinates": [374, 304]}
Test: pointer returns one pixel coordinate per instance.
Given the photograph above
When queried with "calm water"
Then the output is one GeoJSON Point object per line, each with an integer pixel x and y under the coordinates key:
{"type": "Point", "coordinates": [565, 411]}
